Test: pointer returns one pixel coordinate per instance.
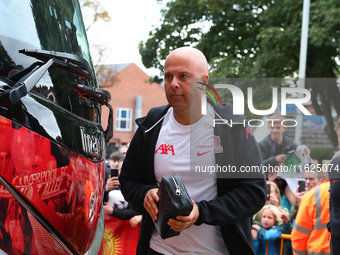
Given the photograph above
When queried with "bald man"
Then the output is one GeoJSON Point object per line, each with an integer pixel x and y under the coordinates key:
{"type": "Point", "coordinates": [169, 140]}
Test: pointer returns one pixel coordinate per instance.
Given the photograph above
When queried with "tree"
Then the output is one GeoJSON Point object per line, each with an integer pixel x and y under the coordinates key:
{"type": "Point", "coordinates": [252, 38]}
{"type": "Point", "coordinates": [93, 11]}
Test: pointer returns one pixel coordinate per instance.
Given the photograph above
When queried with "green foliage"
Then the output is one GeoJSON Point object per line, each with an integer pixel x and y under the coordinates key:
{"type": "Point", "coordinates": [321, 153]}
{"type": "Point", "coordinates": [251, 38]}
{"type": "Point", "coordinates": [156, 78]}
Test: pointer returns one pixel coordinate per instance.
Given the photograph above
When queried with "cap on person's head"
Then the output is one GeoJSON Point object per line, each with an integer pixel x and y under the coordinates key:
{"type": "Point", "coordinates": [116, 156]}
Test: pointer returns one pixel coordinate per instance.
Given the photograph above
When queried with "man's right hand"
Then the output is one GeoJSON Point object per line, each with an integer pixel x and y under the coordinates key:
{"type": "Point", "coordinates": [280, 158]}
{"type": "Point", "coordinates": [150, 203]}
{"type": "Point", "coordinates": [298, 195]}
{"type": "Point", "coordinates": [272, 199]}
{"type": "Point", "coordinates": [111, 183]}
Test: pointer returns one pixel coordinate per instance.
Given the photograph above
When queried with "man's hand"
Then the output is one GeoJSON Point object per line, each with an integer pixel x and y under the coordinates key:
{"type": "Point", "coordinates": [108, 209]}
{"type": "Point", "coordinates": [298, 195]}
{"type": "Point", "coordinates": [307, 150]}
{"type": "Point", "coordinates": [272, 200]}
{"type": "Point", "coordinates": [134, 221]}
{"type": "Point", "coordinates": [280, 158]}
{"type": "Point", "coordinates": [150, 203]}
{"type": "Point", "coordinates": [183, 222]}
{"type": "Point", "coordinates": [254, 229]}
{"type": "Point", "coordinates": [111, 183]}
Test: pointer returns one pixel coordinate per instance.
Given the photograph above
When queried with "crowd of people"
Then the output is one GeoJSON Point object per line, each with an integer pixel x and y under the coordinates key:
{"type": "Point", "coordinates": [305, 213]}
{"type": "Point", "coordinates": [244, 215]}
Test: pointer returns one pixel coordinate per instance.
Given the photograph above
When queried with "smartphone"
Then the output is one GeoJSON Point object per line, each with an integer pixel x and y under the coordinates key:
{"type": "Point", "coordinates": [114, 172]}
{"type": "Point", "coordinates": [268, 191]}
{"type": "Point", "coordinates": [302, 184]}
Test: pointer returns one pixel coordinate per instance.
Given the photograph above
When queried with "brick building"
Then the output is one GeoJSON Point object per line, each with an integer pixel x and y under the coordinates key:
{"type": "Point", "coordinates": [132, 96]}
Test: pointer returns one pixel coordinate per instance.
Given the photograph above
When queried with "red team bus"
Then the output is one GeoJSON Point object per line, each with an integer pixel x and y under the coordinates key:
{"type": "Point", "coordinates": [52, 145]}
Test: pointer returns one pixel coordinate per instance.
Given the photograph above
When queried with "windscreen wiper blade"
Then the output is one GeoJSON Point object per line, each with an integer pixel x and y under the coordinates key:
{"type": "Point", "coordinates": [76, 64]}
{"type": "Point", "coordinates": [99, 95]}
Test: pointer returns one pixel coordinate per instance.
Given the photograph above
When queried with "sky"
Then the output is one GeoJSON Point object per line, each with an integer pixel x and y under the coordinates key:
{"type": "Point", "coordinates": [131, 22]}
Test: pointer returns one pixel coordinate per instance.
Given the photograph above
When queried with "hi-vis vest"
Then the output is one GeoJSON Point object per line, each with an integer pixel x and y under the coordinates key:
{"type": "Point", "coordinates": [310, 235]}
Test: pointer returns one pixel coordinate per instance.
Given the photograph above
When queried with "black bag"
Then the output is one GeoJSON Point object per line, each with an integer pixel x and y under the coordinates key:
{"type": "Point", "coordinates": [173, 201]}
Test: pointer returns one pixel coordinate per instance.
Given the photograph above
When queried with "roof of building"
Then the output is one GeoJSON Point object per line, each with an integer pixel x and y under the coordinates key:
{"type": "Point", "coordinates": [109, 70]}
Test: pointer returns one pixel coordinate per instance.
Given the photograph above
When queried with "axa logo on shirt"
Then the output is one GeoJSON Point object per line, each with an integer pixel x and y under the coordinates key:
{"type": "Point", "coordinates": [164, 148]}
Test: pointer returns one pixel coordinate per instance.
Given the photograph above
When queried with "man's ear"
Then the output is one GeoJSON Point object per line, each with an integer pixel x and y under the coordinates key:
{"type": "Point", "coordinates": [284, 129]}
{"type": "Point", "coordinates": [205, 79]}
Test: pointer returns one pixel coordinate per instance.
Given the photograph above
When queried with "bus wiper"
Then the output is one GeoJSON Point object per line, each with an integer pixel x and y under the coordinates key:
{"type": "Point", "coordinates": [77, 64]}
{"type": "Point", "coordinates": [96, 94]}
{"type": "Point", "coordinates": [101, 96]}
{"type": "Point", "coordinates": [33, 74]}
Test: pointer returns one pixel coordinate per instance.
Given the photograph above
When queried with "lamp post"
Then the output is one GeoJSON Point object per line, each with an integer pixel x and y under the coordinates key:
{"type": "Point", "coordinates": [302, 64]}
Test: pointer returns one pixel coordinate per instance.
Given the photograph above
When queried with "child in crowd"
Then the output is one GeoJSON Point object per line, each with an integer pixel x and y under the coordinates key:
{"type": "Point", "coordinates": [274, 198]}
{"type": "Point", "coordinates": [270, 217]}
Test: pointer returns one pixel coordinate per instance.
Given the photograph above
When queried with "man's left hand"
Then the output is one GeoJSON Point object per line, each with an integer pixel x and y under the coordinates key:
{"type": "Point", "coordinates": [108, 209]}
{"type": "Point", "coordinates": [183, 222]}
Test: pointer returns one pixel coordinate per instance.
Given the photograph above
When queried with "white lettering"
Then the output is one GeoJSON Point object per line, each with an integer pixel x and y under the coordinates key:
{"type": "Point", "coordinates": [261, 121]}
{"type": "Point", "coordinates": [261, 112]}
{"type": "Point", "coordinates": [238, 100]}
{"type": "Point", "coordinates": [249, 123]}
{"type": "Point", "coordinates": [297, 101]}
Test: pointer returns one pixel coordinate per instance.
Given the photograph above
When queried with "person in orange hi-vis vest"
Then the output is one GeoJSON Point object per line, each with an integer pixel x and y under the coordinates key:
{"type": "Point", "coordinates": [310, 234]}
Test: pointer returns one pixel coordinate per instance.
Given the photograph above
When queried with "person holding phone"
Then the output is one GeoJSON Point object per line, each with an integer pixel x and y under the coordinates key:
{"type": "Point", "coordinates": [116, 206]}
{"type": "Point", "coordinates": [112, 180]}
{"type": "Point", "coordinates": [311, 179]}
{"type": "Point", "coordinates": [273, 198]}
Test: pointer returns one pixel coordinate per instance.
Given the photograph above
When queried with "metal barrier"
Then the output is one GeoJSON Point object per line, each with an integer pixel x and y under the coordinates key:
{"type": "Point", "coordinates": [282, 237]}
